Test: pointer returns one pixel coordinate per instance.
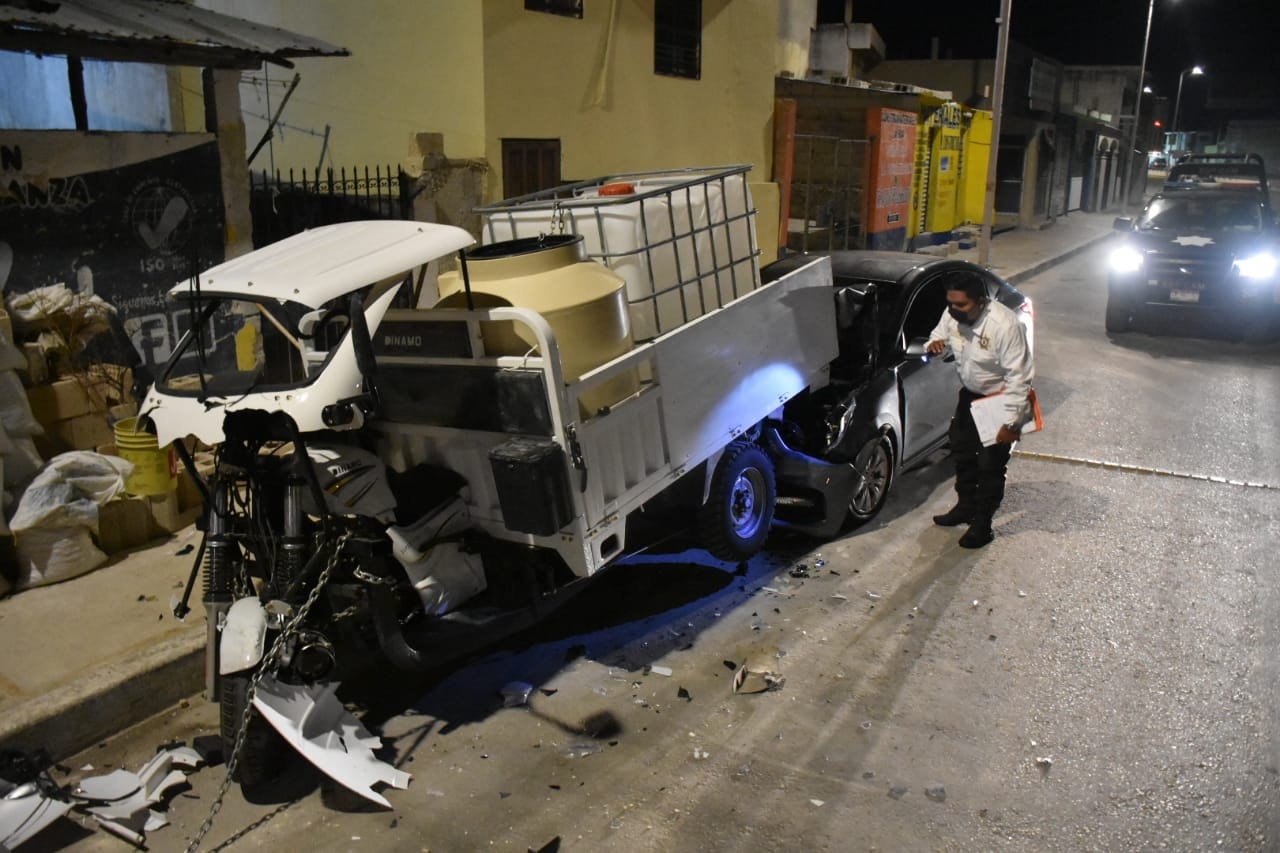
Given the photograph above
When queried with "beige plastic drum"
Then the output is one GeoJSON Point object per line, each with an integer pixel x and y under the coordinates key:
{"type": "Point", "coordinates": [582, 301]}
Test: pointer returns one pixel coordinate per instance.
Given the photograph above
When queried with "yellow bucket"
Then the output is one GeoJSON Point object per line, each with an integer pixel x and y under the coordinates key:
{"type": "Point", "coordinates": [155, 469]}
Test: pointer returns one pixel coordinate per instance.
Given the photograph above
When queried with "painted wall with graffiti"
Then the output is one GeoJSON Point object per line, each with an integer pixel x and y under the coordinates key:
{"type": "Point", "coordinates": [124, 216]}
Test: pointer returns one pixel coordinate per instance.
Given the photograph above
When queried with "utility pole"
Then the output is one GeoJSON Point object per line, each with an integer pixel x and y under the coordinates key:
{"type": "Point", "coordinates": [1137, 115]}
{"type": "Point", "coordinates": [997, 105]}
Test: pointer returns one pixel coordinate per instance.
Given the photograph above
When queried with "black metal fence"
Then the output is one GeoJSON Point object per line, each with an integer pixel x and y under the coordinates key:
{"type": "Point", "coordinates": [284, 204]}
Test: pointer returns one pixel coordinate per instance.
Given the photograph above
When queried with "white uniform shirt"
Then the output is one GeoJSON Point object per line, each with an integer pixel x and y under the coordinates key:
{"type": "Point", "coordinates": [992, 356]}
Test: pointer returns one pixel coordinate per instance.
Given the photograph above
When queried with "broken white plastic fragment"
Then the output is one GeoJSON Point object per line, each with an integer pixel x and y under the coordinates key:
{"type": "Point", "coordinates": [24, 812]}
{"type": "Point", "coordinates": [121, 801]}
{"type": "Point", "coordinates": [314, 722]}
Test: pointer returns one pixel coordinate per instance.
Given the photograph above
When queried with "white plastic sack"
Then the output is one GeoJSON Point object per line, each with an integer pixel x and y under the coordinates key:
{"type": "Point", "coordinates": [15, 411]}
{"type": "Point", "coordinates": [11, 358]}
{"type": "Point", "coordinates": [21, 464]}
{"type": "Point", "coordinates": [42, 303]}
{"type": "Point", "coordinates": [57, 513]}
{"type": "Point", "coordinates": [51, 554]}
{"type": "Point", "coordinates": [69, 490]}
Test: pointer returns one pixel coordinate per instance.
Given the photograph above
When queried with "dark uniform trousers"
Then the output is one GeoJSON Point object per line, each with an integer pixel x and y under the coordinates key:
{"type": "Point", "coordinates": [980, 470]}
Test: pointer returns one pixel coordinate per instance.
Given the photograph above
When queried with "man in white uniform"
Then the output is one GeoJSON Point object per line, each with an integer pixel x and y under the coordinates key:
{"type": "Point", "coordinates": [992, 355]}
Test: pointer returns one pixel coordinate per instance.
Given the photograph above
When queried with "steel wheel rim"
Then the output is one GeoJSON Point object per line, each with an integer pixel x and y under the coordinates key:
{"type": "Point", "coordinates": [746, 504]}
{"type": "Point", "coordinates": [872, 467]}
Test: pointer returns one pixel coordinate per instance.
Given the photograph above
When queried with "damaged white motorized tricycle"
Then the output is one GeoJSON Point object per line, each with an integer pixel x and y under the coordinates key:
{"type": "Point", "coordinates": [410, 460]}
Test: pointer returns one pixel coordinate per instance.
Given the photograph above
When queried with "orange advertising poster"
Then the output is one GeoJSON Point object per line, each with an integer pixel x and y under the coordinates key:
{"type": "Point", "coordinates": [893, 147]}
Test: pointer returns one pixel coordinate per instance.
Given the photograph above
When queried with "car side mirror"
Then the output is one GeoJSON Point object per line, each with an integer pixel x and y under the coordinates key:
{"type": "Point", "coordinates": [1122, 223]}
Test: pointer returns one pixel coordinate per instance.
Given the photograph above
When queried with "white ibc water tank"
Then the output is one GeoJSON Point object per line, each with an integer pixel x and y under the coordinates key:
{"type": "Point", "coordinates": [683, 247]}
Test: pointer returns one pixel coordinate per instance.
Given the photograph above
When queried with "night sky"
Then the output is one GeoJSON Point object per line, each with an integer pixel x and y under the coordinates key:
{"type": "Point", "coordinates": [1223, 35]}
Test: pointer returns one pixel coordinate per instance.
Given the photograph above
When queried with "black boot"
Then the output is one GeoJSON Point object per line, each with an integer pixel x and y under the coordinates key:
{"type": "Point", "coordinates": [958, 514]}
{"type": "Point", "coordinates": [978, 534]}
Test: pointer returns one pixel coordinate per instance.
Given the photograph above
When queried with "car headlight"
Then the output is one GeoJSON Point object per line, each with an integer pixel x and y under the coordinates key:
{"type": "Point", "coordinates": [1126, 259]}
{"type": "Point", "coordinates": [1261, 265]}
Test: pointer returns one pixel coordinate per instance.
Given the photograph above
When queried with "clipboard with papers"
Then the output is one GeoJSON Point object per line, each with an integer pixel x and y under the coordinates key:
{"type": "Point", "coordinates": [989, 415]}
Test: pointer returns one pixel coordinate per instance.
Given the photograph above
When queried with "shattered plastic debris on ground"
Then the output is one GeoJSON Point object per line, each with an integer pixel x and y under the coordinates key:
{"type": "Point", "coordinates": [757, 675]}
{"type": "Point", "coordinates": [121, 802]}
{"type": "Point", "coordinates": [515, 693]}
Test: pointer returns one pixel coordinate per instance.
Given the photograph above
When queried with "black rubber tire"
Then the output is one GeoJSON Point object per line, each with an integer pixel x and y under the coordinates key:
{"type": "Point", "coordinates": [734, 522]}
{"type": "Point", "coordinates": [265, 753]}
{"type": "Point", "coordinates": [873, 465]}
{"type": "Point", "coordinates": [1119, 313]}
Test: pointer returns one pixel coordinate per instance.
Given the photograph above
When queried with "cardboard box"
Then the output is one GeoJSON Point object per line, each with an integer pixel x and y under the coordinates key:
{"type": "Point", "coordinates": [85, 432]}
{"type": "Point", "coordinates": [100, 389]}
{"type": "Point", "coordinates": [58, 401]}
{"type": "Point", "coordinates": [167, 516]}
{"type": "Point", "coordinates": [123, 523]}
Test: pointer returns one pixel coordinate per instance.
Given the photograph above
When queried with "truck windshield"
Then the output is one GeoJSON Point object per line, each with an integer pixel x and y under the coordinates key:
{"type": "Point", "coordinates": [238, 346]}
{"type": "Point", "coordinates": [1202, 213]}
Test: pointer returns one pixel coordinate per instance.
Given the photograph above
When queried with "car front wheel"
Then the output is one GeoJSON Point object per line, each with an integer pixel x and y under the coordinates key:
{"type": "Point", "coordinates": [873, 475]}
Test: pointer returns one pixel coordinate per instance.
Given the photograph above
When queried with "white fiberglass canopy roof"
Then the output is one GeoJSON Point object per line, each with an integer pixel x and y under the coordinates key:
{"type": "Point", "coordinates": [324, 263]}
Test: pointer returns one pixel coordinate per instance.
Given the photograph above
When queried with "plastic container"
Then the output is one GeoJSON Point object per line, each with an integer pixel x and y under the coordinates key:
{"type": "Point", "coordinates": [684, 242]}
{"type": "Point", "coordinates": [581, 301]}
{"type": "Point", "coordinates": [155, 468]}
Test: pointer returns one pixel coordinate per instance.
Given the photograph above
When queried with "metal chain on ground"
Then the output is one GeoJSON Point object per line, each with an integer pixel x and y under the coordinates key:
{"type": "Point", "coordinates": [270, 664]}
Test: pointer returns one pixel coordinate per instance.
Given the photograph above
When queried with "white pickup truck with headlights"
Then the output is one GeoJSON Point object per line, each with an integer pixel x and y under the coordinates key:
{"type": "Point", "coordinates": [1211, 249]}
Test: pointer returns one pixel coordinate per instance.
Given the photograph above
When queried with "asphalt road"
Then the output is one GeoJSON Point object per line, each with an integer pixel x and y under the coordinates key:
{"type": "Point", "coordinates": [1102, 677]}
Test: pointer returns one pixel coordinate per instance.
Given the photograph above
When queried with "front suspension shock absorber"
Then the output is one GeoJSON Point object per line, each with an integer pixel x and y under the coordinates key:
{"type": "Point", "coordinates": [219, 592]}
{"type": "Point", "coordinates": [293, 547]}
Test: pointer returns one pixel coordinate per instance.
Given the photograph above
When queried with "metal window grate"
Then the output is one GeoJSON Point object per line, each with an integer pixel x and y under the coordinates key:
{"type": "Point", "coordinates": [677, 38]}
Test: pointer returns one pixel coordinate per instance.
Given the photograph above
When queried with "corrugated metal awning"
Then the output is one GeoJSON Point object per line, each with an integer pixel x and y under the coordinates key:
{"type": "Point", "coordinates": [164, 32]}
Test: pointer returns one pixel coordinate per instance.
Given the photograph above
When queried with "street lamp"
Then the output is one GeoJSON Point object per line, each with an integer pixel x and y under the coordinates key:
{"type": "Point", "coordinates": [1137, 114]}
{"type": "Point", "coordinates": [1194, 71]}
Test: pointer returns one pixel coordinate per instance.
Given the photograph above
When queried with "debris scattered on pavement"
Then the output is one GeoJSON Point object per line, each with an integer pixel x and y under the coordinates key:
{"type": "Point", "coordinates": [120, 801]}
{"type": "Point", "coordinates": [185, 549]}
{"type": "Point", "coordinates": [581, 750]}
{"type": "Point", "coordinates": [897, 792]}
{"type": "Point", "coordinates": [874, 596]}
{"type": "Point", "coordinates": [936, 792]}
{"type": "Point", "coordinates": [658, 670]}
{"type": "Point", "coordinates": [800, 570]}
{"type": "Point", "coordinates": [757, 674]}
{"type": "Point", "coordinates": [700, 754]}
{"type": "Point", "coordinates": [1045, 764]}
{"type": "Point", "coordinates": [818, 803]}
{"type": "Point", "coordinates": [684, 694]}
{"type": "Point", "coordinates": [1021, 594]}
{"type": "Point", "coordinates": [515, 693]}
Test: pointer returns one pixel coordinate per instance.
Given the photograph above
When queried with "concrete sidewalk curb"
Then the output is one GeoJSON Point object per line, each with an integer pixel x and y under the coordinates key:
{"type": "Point", "coordinates": [1039, 267]}
{"type": "Point", "coordinates": [120, 695]}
